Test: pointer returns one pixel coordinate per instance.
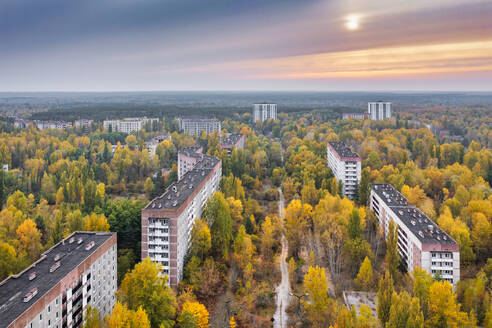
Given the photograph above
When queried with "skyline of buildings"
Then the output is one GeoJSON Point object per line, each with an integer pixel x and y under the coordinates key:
{"type": "Point", "coordinates": [128, 125]}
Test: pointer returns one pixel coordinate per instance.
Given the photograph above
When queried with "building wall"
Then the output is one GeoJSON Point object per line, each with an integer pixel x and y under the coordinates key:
{"type": "Point", "coordinates": [379, 110]}
{"type": "Point", "coordinates": [412, 251]}
{"type": "Point", "coordinates": [185, 164]}
{"type": "Point", "coordinates": [346, 170]}
{"type": "Point", "coordinates": [170, 243]}
{"type": "Point", "coordinates": [58, 304]}
{"type": "Point", "coordinates": [262, 112]}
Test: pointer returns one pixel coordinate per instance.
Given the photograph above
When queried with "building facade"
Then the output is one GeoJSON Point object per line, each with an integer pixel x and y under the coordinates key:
{"type": "Point", "coordinates": [421, 242]}
{"type": "Point", "coordinates": [265, 111]}
{"type": "Point", "coordinates": [354, 116]}
{"type": "Point", "coordinates": [128, 125]}
{"type": "Point", "coordinates": [83, 123]}
{"type": "Point", "coordinates": [187, 159]}
{"type": "Point", "coordinates": [167, 220]}
{"type": "Point", "coordinates": [54, 292]}
{"type": "Point", "coordinates": [379, 110]}
{"type": "Point", "coordinates": [195, 126]}
{"type": "Point", "coordinates": [232, 141]}
{"type": "Point", "coordinates": [346, 167]}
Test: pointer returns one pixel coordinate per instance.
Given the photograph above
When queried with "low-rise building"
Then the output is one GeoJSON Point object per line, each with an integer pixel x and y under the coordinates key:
{"type": "Point", "coordinates": [167, 220]}
{"type": "Point", "coordinates": [53, 292]}
{"type": "Point", "coordinates": [355, 116]}
{"type": "Point", "coordinates": [421, 242]}
{"type": "Point", "coordinates": [83, 123]}
{"type": "Point", "coordinates": [346, 167]}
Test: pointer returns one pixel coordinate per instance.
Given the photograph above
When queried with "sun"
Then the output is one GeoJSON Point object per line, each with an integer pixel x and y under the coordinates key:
{"type": "Point", "coordinates": [352, 22]}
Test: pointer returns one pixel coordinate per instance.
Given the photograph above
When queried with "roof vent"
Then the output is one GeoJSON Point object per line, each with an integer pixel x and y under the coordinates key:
{"type": "Point", "coordinates": [79, 241]}
{"type": "Point", "coordinates": [32, 275]}
{"type": "Point", "coordinates": [175, 189]}
{"type": "Point", "coordinates": [90, 245]}
{"type": "Point", "coordinates": [153, 205]}
{"type": "Point", "coordinates": [169, 196]}
{"type": "Point", "coordinates": [421, 234]}
{"type": "Point", "coordinates": [57, 257]}
{"type": "Point", "coordinates": [438, 237]}
{"type": "Point", "coordinates": [30, 295]}
{"type": "Point", "coordinates": [401, 212]}
{"type": "Point", "coordinates": [445, 237]}
{"type": "Point", "coordinates": [190, 186]}
{"type": "Point", "coordinates": [160, 205]}
{"type": "Point", "coordinates": [413, 222]}
{"type": "Point", "coordinates": [175, 203]}
{"type": "Point", "coordinates": [203, 173]}
{"type": "Point", "coordinates": [71, 240]}
{"type": "Point", "coordinates": [55, 266]}
{"type": "Point", "coordinates": [430, 227]}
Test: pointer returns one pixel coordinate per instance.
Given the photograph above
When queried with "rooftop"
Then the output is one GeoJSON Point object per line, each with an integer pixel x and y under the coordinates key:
{"type": "Point", "coordinates": [195, 151]}
{"type": "Point", "coordinates": [426, 230]}
{"type": "Point", "coordinates": [71, 253]}
{"type": "Point", "coordinates": [343, 150]}
{"type": "Point", "coordinates": [231, 140]}
{"type": "Point", "coordinates": [178, 192]}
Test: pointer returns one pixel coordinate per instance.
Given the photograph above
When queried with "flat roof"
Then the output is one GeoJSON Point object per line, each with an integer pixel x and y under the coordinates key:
{"type": "Point", "coordinates": [13, 289]}
{"type": "Point", "coordinates": [343, 150]}
{"type": "Point", "coordinates": [194, 151]}
{"type": "Point", "coordinates": [426, 230]}
{"type": "Point", "coordinates": [231, 139]}
{"type": "Point", "coordinates": [178, 192]}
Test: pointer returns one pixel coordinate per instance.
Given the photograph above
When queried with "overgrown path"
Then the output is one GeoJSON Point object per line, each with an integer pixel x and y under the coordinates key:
{"type": "Point", "coordinates": [283, 288]}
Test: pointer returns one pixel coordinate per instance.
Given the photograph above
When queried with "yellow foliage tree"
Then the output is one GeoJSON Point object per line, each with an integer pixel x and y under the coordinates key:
{"type": "Point", "coordinates": [443, 308]}
{"type": "Point", "coordinates": [122, 317]}
{"type": "Point", "coordinates": [364, 278]}
{"type": "Point", "coordinates": [320, 306]}
{"type": "Point", "coordinates": [30, 239]}
{"type": "Point", "coordinates": [96, 222]}
{"type": "Point", "coordinates": [232, 322]}
{"type": "Point", "coordinates": [199, 311]}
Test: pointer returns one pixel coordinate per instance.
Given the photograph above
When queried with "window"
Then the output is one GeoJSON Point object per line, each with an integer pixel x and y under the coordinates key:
{"type": "Point", "coordinates": [49, 308]}
{"type": "Point", "coordinates": [40, 317]}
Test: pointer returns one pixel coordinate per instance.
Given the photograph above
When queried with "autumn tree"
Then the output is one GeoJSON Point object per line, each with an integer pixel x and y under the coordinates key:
{"type": "Point", "coordinates": [364, 278]}
{"type": "Point", "coordinates": [30, 239]}
{"type": "Point", "coordinates": [320, 306]}
{"type": "Point", "coordinates": [392, 258]}
{"type": "Point", "coordinates": [125, 317]}
{"type": "Point", "coordinates": [198, 311]}
{"type": "Point", "coordinates": [443, 309]}
{"type": "Point", "coordinates": [385, 295]}
{"type": "Point", "coordinates": [421, 287]}
{"type": "Point", "coordinates": [201, 240]}
{"type": "Point", "coordinates": [91, 318]}
{"type": "Point", "coordinates": [145, 287]}
{"type": "Point", "coordinates": [96, 222]}
{"type": "Point", "coordinates": [217, 215]}
{"type": "Point", "coordinates": [297, 218]}
{"type": "Point", "coordinates": [405, 312]}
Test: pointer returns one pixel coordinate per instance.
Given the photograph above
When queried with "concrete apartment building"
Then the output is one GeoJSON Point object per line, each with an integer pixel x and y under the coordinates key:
{"type": "Point", "coordinates": [167, 220]}
{"type": "Point", "coordinates": [128, 125]}
{"type": "Point", "coordinates": [379, 110]}
{"type": "Point", "coordinates": [264, 111]}
{"type": "Point", "coordinates": [232, 141]}
{"type": "Point", "coordinates": [354, 116]}
{"type": "Point", "coordinates": [346, 167]}
{"type": "Point", "coordinates": [421, 242]}
{"type": "Point", "coordinates": [195, 126]}
{"type": "Point", "coordinates": [187, 159]}
{"type": "Point", "coordinates": [53, 292]}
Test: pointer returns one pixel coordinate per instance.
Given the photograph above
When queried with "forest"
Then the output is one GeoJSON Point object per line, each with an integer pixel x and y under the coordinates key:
{"type": "Point", "coordinates": [64, 181]}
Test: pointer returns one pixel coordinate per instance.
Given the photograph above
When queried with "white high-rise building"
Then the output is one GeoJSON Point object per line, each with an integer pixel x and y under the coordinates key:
{"type": "Point", "coordinates": [265, 111]}
{"type": "Point", "coordinates": [379, 110]}
{"type": "Point", "coordinates": [346, 167]}
{"type": "Point", "coordinates": [53, 292]}
{"type": "Point", "coordinates": [421, 242]}
{"type": "Point", "coordinates": [167, 220]}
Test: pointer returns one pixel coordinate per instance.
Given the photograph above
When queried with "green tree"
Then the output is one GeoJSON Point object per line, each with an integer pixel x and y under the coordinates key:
{"type": "Point", "coordinates": [421, 285]}
{"type": "Point", "coordinates": [320, 307]}
{"type": "Point", "coordinates": [364, 186]}
{"type": "Point", "coordinates": [91, 318]}
{"type": "Point", "coordinates": [201, 240]}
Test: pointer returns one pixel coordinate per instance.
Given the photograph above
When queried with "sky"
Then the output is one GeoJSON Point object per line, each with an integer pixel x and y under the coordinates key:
{"type": "Point", "coordinates": [304, 45]}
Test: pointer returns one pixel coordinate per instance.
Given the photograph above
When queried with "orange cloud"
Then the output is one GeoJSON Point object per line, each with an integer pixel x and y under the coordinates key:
{"type": "Point", "coordinates": [377, 62]}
